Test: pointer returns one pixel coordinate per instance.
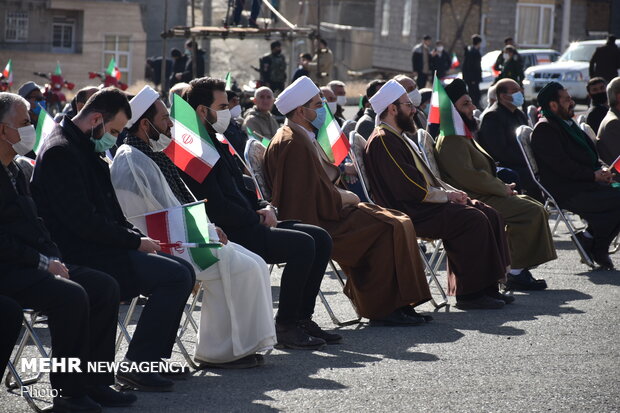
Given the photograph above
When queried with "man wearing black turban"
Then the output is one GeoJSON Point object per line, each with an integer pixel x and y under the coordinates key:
{"type": "Point", "coordinates": [464, 164]}
{"type": "Point", "coordinates": [570, 169]}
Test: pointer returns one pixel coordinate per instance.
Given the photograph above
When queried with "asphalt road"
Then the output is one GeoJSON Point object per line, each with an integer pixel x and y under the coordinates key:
{"type": "Point", "coordinates": [550, 351]}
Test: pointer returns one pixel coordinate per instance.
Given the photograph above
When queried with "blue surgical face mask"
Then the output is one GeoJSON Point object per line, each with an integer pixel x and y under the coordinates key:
{"type": "Point", "coordinates": [321, 114]}
{"type": "Point", "coordinates": [105, 142]}
{"type": "Point", "coordinates": [38, 106]}
{"type": "Point", "coordinates": [517, 99]}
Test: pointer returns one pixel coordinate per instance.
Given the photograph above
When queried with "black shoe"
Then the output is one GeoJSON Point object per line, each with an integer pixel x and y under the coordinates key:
{"type": "Point", "coordinates": [312, 329]}
{"type": "Point", "coordinates": [399, 318]}
{"type": "Point", "coordinates": [151, 382]}
{"type": "Point", "coordinates": [260, 359]}
{"type": "Point", "coordinates": [294, 337]}
{"type": "Point", "coordinates": [246, 362]}
{"type": "Point", "coordinates": [483, 303]}
{"type": "Point", "coordinates": [83, 404]}
{"type": "Point", "coordinates": [108, 397]}
{"type": "Point", "coordinates": [524, 282]}
{"type": "Point", "coordinates": [602, 258]}
{"type": "Point", "coordinates": [410, 311]}
{"type": "Point", "coordinates": [507, 299]}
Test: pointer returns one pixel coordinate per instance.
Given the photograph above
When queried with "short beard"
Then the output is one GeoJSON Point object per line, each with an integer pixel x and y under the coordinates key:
{"type": "Point", "coordinates": [566, 114]}
{"type": "Point", "coordinates": [471, 124]}
{"type": "Point", "coordinates": [405, 122]}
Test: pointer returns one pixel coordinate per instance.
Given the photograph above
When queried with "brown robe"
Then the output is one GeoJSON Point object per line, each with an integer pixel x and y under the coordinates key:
{"type": "Point", "coordinates": [473, 234]}
{"type": "Point", "coordinates": [375, 247]}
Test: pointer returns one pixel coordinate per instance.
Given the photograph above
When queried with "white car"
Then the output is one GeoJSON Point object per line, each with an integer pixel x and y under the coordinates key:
{"type": "Point", "coordinates": [571, 70]}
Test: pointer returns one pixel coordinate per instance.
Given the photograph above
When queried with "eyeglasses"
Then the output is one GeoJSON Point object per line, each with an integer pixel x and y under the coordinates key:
{"type": "Point", "coordinates": [404, 103]}
{"type": "Point", "coordinates": [38, 99]}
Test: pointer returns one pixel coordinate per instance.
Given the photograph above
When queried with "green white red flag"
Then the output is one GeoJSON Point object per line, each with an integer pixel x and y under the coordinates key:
{"type": "Point", "coordinates": [332, 139]}
{"type": "Point", "coordinates": [191, 149]}
{"type": "Point", "coordinates": [616, 164]}
{"type": "Point", "coordinates": [58, 71]}
{"type": "Point", "coordinates": [183, 231]}
{"type": "Point", "coordinates": [252, 135]}
{"type": "Point", "coordinates": [112, 70]}
{"type": "Point", "coordinates": [228, 81]}
{"type": "Point", "coordinates": [8, 72]}
{"type": "Point", "coordinates": [455, 62]}
{"type": "Point", "coordinates": [445, 114]}
{"type": "Point", "coordinates": [45, 125]}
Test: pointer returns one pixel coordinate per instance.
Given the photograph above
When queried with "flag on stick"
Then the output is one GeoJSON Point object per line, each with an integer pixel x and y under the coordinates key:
{"type": "Point", "coordinates": [112, 70]}
{"type": "Point", "coordinates": [57, 71]}
{"type": "Point", "coordinates": [332, 139]}
{"type": "Point", "coordinates": [191, 148]}
{"type": "Point", "coordinates": [616, 164]}
{"type": "Point", "coordinates": [45, 125]}
{"type": "Point", "coordinates": [8, 72]}
{"type": "Point", "coordinates": [228, 81]}
{"type": "Point", "coordinates": [455, 62]}
{"type": "Point", "coordinates": [264, 141]}
{"type": "Point", "coordinates": [445, 114]}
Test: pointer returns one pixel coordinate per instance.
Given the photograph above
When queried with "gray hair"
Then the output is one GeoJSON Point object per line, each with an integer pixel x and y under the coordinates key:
{"type": "Point", "coordinates": [491, 94]}
{"type": "Point", "coordinates": [335, 83]}
{"type": "Point", "coordinates": [7, 101]}
{"type": "Point", "coordinates": [613, 89]}
{"type": "Point", "coordinates": [261, 89]}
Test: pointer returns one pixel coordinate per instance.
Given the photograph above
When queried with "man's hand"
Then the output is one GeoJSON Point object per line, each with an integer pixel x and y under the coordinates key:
{"type": "Point", "coordinates": [222, 235]}
{"type": "Point", "coordinates": [178, 76]}
{"type": "Point", "coordinates": [148, 245]}
{"type": "Point", "coordinates": [350, 173]}
{"type": "Point", "coordinates": [457, 197]}
{"type": "Point", "coordinates": [510, 189]}
{"type": "Point", "coordinates": [349, 198]}
{"type": "Point", "coordinates": [268, 217]}
{"type": "Point", "coordinates": [603, 175]}
{"type": "Point", "coordinates": [58, 268]}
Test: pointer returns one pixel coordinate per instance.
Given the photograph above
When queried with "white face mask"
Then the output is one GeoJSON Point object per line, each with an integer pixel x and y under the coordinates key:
{"type": "Point", "coordinates": [416, 97]}
{"type": "Point", "coordinates": [27, 136]}
{"type": "Point", "coordinates": [223, 120]}
{"type": "Point", "coordinates": [236, 112]}
{"type": "Point", "coordinates": [333, 106]}
{"type": "Point", "coordinates": [506, 56]}
{"type": "Point", "coordinates": [341, 100]}
{"type": "Point", "coordinates": [440, 49]}
{"type": "Point", "coordinates": [161, 143]}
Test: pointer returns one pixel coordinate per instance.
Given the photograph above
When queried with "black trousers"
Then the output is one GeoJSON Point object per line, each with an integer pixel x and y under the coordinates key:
{"type": "Point", "coordinates": [421, 80]}
{"type": "Point", "coordinates": [167, 281]}
{"type": "Point", "coordinates": [10, 325]}
{"type": "Point", "coordinates": [82, 314]}
{"type": "Point", "coordinates": [305, 249]}
{"type": "Point", "coordinates": [473, 88]}
{"type": "Point", "coordinates": [601, 209]}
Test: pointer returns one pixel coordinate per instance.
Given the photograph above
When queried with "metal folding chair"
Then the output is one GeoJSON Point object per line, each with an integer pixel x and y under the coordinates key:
{"type": "Point", "coordinates": [524, 136]}
{"type": "Point", "coordinates": [532, 115]}
{"type": "Point", "coordinates": [13, 379]}
{"type": "Point", "coordinates": [587, 129]}
{"type": "Point", "coordinates": [358, 143]}
{"type": "Point", "coordinates": [254, 155]}
{"type": "Point", "coordinates": [581, 119]}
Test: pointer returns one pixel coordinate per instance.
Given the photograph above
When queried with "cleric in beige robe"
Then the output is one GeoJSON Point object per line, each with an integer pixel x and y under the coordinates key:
{"type": "Point", "coordinates": [473, 233]}
{"type": "Point", "coordinates": [375, 247]}
{"type": "Point", "coordinates": [466, 166]}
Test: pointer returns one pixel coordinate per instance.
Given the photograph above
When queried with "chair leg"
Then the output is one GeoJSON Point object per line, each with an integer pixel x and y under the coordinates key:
{"type": "Point", "coordinates": [19, 383]}
{"type": "Point", "coordinates": [29, 334]}
{"type": "Point", "coordinates": [585, 258]}
{"type": "Point", "coordinates": [615, 245]}
{"type": "Point", "coordinates": [123, 325]}
{"type": "Point", "coordinates": [432, 278]}
{"type": "Point", "coordinates": [331, 313]}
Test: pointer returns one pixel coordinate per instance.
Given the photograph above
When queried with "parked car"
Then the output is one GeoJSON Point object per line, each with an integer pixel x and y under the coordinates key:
{"type": "Point", "coordinates": [571, 70]}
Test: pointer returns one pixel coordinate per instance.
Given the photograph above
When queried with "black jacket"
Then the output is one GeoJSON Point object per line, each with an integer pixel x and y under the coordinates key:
{"type": "Point", "coordinates": [565, 166]}
{"type": "Point", "coordinates": [188, 72]}
{"type": "Point", "coordinates": [441, 63]}
{"type": "Point", "coordinates": [417, 58]}
{"type": "Point", "coordinates": [605, 62]}
{"type": "Point", "coordinates": [73, 191]}
{"type": "Point", "coordinates": [596, 114]}
{"type": "Point", "coordinates": [497, 135]}
{"type": "Point", "coordinates": [230, 205]}
{"type": "Point", "coordinates": [472, 71]}
{"type": "Point", "coordinates": [178, 66]}
{"type": "Point", "coordinates": [23, 237]}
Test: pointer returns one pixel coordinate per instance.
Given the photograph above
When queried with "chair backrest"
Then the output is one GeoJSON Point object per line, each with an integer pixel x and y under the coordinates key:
{"type": "Point", "coordinates": [581, 119]}
{"type": "Point", "coordinates": [478, 116]}
{"type": "Point", "coordinates": [347, 127]}
{"type": "Point", "coordinates": [254, 155]}
{"type": "Point", "coordinates": [427, 147]}
{"type": "Point", "coordinates": [532, 115]}
{"type": "Point", "coordinates": [588, 131]}
{"type": "Point", "coordinates": [358, 143]}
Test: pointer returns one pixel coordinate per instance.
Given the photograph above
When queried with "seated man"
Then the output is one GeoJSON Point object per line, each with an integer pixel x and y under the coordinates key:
{"type": "Point", "coordinates": [236, 314]}
{"type": "Point", "coordinates": [72, 188]}
{"type": "Point", "coordinates": [235, 134]}
{"type": "Point", "coordinates": [81, 304]}
{"type": "Point", "coordinates": [411, 88]}
{"type": "Point", "coordinates": [366, 124]}
{"type": "Point", "coordinates": [10, 325]}
{"type": "Point", "coordinates": [332, 102]}
{"type": "Point", "coordinates": [252, 223]}
{"type": "Point", "coordinates": [259, 118]}
{"type": "Point", "coordinates": [401, 180]}
{"type": "Point", "coordinates": [375, 247]}
{"type": "Point", "coordinates": [340, 90]}
{"type": "Point", "coordinates": [570, 170]}
{"type": "Point", "coordinates": [608, 136]}
{"type": "Point", "coordinates": [465, 165]}
{"type": "Point", "coordinates": [497, 134]}
{"type": "Point", "coordinates": [598, 102]}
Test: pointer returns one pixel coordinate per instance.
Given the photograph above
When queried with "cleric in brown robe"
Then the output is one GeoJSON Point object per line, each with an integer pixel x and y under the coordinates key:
{"type": "Point", "coordinates": [473, 233]}
{"type": "Point", "coordinates": [375, 247]}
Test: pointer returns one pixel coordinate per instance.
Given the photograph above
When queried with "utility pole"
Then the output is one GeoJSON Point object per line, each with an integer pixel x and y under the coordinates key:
{"type": "Point", "coordinates": [164, 60]}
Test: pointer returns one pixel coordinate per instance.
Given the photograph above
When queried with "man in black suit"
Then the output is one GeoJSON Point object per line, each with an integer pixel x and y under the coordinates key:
{"type": "Point", "coordinates": [81, 304]}
{"type": "Point", "coordinates": [472, 71]}
{"type": "Point", "coordinates": [72, 187]}
{"type": "Point", "coordinates": [570, 170]}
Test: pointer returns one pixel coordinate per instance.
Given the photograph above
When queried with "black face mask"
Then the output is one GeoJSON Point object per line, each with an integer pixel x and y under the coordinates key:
{"type": "Point", "coordinates": [599, 98]}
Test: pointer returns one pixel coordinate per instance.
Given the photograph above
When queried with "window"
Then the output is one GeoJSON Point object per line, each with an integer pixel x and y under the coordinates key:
{"type": "Point", "coordinates": [16, 26]}
{"type": "Point", "coordinates": [534, 24]}
{"type": "Point", "coordinates": [118, 47]}
{"type": "Point", "coordinates": [407, 19]}
{"type": "Point", "coordinates": [385, 18]}
{"type": "Point", "coordinates": [63, 35]}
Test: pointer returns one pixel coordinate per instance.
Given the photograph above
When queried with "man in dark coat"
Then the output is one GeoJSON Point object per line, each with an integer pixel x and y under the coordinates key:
{"type": "Point", "coordinates": [597, 93]}
{"type": "Point", "coordinates": [179, 61]}
{"type": "Point", "coordinates": [72, 187]}
{"type": "Point", "coordinates": [512, 66]}
{"type": "Point", "coordinates": [366, 124]}
{"type": "Point", "coordinates": [421, 61]}
{"type": "Point", "coordinates": [570, 170]}
{"type": "Point", "coordinates": [440, 60]}
{"type": "Point", "coordinates": [273, 68]}
{"type": "Point", "coordinates": [81, 304]}
{"type": "Point", "coordinates": [605, 61]}
{"type": "Point", "coordinates": [497, 133]}
{"type": "Point", "coordinates": [472, 71]}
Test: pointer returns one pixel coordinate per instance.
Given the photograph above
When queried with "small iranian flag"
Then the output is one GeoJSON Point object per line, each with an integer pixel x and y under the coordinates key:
{"type": "Point", "coordinates": [455, 62]}
{"type": "Point", "coordinates": [45, 125]}
{"type": "Point", "coordinates": [223, 139]}
{"type": "Point", "coordinates": [180, 230]}
{"type": "Point", "coordinates": [332, 139]}
{"type": "Point", "coordinates": [228, 81]}
{"type": "Point", "coordinates": [445, 114]}
{"type": "Point", "coordinates": [616, 164]}
{"type": "Point", "coordinates": [191, 148]}
{"type": "Point", "coordinates": [112, 70]}
{"type": "Point", "coordinates": [264, 141]}
{"type": "Point", "coordinates": [8, 73]}
{"type": "Point", "coordinates": [57, 71]}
